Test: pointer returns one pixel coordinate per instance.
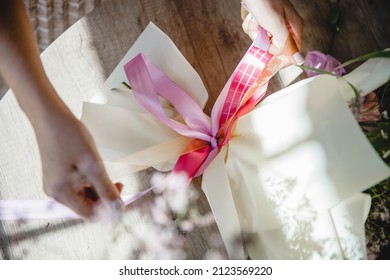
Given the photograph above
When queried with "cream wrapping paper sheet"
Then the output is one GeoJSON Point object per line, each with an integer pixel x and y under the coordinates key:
{"type": "Point", "coordinates": [291, 176]}
{"type": "Point", "coordinates": [293, 164]}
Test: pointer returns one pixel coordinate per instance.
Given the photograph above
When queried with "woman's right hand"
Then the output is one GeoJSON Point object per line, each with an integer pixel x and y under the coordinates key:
{"type": "Point", "coordinates": [281, 20]}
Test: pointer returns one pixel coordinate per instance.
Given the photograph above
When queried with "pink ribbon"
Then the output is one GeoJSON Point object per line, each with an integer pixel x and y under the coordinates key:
{"type": "Point", "coordinates": [149, 84]}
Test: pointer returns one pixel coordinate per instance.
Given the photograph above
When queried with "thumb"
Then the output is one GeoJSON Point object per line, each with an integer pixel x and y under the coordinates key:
{"type": "Point", "coordinates": [290, 49]}
{"type": "Point", "coordinates": [283, 23]}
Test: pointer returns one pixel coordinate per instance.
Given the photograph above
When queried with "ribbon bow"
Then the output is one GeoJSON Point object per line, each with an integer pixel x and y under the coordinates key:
{"type": "Point", "coordinates": [240, 95]}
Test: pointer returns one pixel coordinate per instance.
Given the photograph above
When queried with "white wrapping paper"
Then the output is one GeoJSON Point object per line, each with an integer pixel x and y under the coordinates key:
{"type": "Point", "coordinates": [291, 176]}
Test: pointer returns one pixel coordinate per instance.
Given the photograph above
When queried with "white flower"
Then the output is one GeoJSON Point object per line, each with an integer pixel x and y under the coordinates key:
{"type": "Point", "coordinates": [385, 154]}
{"type": "Point", "coordinates": [384, 135]}
{"type": "Point", "coordinates": [186, 226]}
{"type": "Point", "coordinates": [160, 237]}
{"type": "Point", "coordinates": [158, 183]}
{"type": "Point", "coordinates": [160, 211]}
{"type": "Point", "coordinates": [213, 255]}
{"type": "Point", "coordinates": [176, 191]}
{"type": "Point", "coordinates": [205, 220]}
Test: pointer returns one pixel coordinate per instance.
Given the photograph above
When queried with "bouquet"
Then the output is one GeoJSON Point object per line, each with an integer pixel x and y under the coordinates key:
{"type": "Point", "coordinates": [290, 174]}
{"type": "Point", "coordinates": [286, 172]}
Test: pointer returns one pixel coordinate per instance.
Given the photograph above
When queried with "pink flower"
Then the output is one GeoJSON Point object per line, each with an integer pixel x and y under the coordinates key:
{"type": "Point", "coordinates": [319, 60]}
{"type": "Point", "coordinates": [369, 109]}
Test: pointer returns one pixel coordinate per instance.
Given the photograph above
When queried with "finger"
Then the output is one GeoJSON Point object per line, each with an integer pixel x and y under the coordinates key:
{"type": "Point", "coordinates": [290, 50]}
{"type": "Point", "coordinates": [98, 177]}
{"type": "Point", "coordinates": [90, 193]}
{"type": "Point", "coordinates": [110, 205]}
{"type": "Point", "coordinates": [276, 18]}
{"type": "Point", "coordinates": [119, 187]}
{"type": "Point", "coordinates": [273, 49]}
{"type": "Point", "coordinates": [245, 24]}
{"type": "Point", "coordinates": [244, 13]}
{"type": "Point", "coordinates": [250, 26]}
{"type": "Point", "coordinates": [270, 16]}
{"type": "Point", "coordinates": [81, 205]}
{"type": "Point", "coordinates": [294, 24]}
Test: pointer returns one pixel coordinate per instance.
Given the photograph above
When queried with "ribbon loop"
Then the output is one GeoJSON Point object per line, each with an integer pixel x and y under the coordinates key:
{"type": "Point", "coordinates": [148, 83]}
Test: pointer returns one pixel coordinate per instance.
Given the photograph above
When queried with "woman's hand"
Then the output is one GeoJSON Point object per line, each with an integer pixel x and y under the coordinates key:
{"type": "Point", "coordinates": [282, 22]}
{"type": "Point", "coordinates": [73, 172]}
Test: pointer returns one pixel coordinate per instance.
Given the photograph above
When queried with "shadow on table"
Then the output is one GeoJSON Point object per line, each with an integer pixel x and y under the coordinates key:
{"type": "Point", "coordinates": [4, 244]}
{"type": "Point", "coordinates": [7, 242]}
{"type": "Point", "coordinates": [3, 88]}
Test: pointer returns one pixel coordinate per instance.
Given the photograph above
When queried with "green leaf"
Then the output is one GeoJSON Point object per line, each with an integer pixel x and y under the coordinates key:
{"type": "Point", "coordinates": [377, 54]}
{"type": "Point", "coordinates": [355, 90]}
{"type": "Point", "coordinates": [317, 70]}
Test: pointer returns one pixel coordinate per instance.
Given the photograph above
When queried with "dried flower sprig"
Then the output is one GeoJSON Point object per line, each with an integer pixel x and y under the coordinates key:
{"type": "Point", "coordinates": [378, 222]}
{"type": "Point", "coordinates": [171, 215]}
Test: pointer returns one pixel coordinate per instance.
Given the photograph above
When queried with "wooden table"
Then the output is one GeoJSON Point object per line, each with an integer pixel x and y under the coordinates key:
{"type": "Point", "coordinates": [209, 35]}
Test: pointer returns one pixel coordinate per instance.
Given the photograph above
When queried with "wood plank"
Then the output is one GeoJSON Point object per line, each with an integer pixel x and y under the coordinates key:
{"type": "Point", "coordinates": [218, 41]}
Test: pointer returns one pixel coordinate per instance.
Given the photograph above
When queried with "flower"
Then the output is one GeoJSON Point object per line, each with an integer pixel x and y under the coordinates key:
{"type": "Point", "coordinates": [319, 60]}
{"type": "Point", "coordinates": [369, 109]}
{"type": "Point", "coordinates": [175, 191]}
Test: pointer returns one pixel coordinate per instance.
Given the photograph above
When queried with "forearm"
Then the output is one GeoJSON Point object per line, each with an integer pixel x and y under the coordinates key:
{"type": "Point", "coordinates": [20, 64]}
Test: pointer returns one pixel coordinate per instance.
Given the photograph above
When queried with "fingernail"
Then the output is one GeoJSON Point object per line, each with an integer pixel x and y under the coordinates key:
{"type": "Point", "coordinates": [115, 214]}
{"type": "Point", "coordinates": [117, 205]}
{"type": "Point", "coordinates": [298, 58]}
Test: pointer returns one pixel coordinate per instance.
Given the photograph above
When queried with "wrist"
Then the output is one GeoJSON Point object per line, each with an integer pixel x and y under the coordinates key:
{"type": "Point", "coordinates": [41, 104]}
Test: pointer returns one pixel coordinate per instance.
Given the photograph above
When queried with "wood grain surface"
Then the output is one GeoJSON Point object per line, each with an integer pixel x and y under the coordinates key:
{"type": "Point", "coordinates": [209, 35]}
